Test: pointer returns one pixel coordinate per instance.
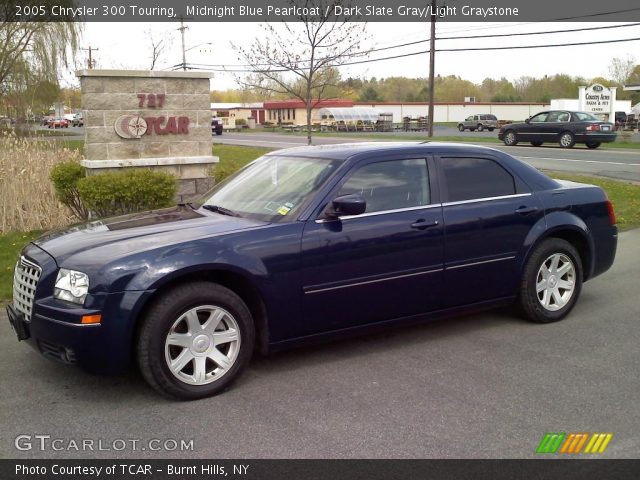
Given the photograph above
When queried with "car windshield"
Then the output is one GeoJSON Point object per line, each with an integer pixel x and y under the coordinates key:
{"type": "Point", "coordinates": [272, 188]}
{"type": "Point", "coordinates": [583, 116]}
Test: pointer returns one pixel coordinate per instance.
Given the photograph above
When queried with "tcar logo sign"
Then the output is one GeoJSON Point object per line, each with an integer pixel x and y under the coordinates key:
{"type": "Point", "coordinates": [135, 126]}
{"type": "Point", "coordinates": [130, 126]}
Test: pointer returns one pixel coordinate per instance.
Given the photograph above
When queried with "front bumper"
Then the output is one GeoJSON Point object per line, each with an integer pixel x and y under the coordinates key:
{"type": "Point", "coordinates": [56, 332]}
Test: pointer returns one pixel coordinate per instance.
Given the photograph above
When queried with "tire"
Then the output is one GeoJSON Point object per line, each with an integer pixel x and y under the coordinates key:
{"type": "Point", "coordinates": [461, 128]}
{"type": "Point", "coordinates": [491, 129]}
{"type": "Point", "coordinates": [567, 140]}
{"type": "Point", "coordinates": [211, 310]}
{"type": "Point", "coordinates": [480, 128]}
{"type": "Point", "coordinates": [593, 145]}
{"type": "Point", "coordinates": [553, 302]}
{"type": "Point", "coordinates": [536, 144]}
{"type": "Point", "coordinates": [510, 138]}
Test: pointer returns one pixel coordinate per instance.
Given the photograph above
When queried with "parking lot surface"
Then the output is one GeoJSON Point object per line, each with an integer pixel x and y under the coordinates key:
{"type": "Point", "coordinates": [480, 386]}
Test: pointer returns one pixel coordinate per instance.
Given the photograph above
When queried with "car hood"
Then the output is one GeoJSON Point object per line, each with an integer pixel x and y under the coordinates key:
{"type": "Point", "coordinates": [118, 236]}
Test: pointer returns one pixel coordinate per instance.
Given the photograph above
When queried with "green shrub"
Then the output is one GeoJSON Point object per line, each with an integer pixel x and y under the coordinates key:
{"type": "Point", "coordinates": [65, 177]}
{"type": "Point", "coordinates": [127, 191]}
{"type": "Point", "coordinates": [240, 122]}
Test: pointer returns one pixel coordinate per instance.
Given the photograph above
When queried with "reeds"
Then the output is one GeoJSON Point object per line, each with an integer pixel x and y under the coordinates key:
{"type": "Point", "coordinates": [27, 197]}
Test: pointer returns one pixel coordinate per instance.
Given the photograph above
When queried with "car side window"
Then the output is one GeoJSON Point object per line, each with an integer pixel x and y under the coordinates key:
{"type": "Point", "coordinates": [564, 117]}
{"type": "Point", "coordinates": [390, 185]}
{"type": "Point", "coordinates": [541, 117]}
{"type": "Point", "coordinates": [475, 178]}
{"type": "Point", "coordinates": [554, 117]}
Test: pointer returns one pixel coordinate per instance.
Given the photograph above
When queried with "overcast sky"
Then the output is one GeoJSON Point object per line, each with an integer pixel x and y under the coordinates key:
{"type": "Point", "coordinates": [126, 45]}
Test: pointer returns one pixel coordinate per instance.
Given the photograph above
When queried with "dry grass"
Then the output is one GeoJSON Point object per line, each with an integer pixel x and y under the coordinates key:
{"type": "Point", "coordinates": [27, 198]}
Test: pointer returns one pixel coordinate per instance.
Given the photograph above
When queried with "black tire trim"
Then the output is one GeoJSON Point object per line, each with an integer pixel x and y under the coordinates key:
{"type": "Point", "coordinates": [528, 299]}
{"type": "Point", "coordinates": [161, 315]}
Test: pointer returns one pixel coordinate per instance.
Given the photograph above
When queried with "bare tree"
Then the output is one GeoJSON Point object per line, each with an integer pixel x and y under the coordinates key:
{"type": "Point", "coordinates": [158, 47]}
{"type": "Point", "coordinates": [621, 69]}
{"type": "Point", "coordinates": [299, 59]}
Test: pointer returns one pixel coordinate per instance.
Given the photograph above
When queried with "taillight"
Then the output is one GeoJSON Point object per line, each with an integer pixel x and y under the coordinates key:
{"type": "Point", "coordinates": [612, 214]}
{"type": "Point", "coordinates": [593, 128]}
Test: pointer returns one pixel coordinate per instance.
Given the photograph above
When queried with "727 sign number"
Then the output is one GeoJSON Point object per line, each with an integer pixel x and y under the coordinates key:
{"type": "Point", "coordinates": [153, 100]}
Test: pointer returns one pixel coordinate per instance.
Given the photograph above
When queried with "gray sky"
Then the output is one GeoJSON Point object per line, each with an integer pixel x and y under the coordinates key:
{"type": "Point", "coordinates": [126, 45]}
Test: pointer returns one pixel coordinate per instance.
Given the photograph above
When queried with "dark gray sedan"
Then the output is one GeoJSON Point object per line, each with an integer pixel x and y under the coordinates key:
{"type": "Point", "coordinates": [559, 126]}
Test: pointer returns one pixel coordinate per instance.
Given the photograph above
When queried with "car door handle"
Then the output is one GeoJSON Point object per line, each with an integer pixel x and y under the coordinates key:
{"type": "Point", "coordinates": [524, 210]}
{"type": "Point", "coordinates": [423, 224]}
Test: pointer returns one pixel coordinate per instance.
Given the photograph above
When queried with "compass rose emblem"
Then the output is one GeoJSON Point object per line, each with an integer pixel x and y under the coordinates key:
{"type": "Point", "coordinates": [130, 126]}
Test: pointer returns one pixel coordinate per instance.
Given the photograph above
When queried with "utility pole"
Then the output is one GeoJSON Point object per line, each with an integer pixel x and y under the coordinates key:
{"type": "Point", "coordinates": [432, 63]}
{"type": "Point", "coordinates": [184, 51]}
{"type": "Point", "coordinates": [90, 62]}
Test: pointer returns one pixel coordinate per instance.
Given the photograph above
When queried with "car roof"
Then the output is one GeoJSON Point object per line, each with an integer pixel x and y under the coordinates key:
{"type": "Point", "coordinates": [344, 151]}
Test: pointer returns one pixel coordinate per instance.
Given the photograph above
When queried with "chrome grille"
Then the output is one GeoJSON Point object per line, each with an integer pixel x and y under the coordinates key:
{"type": "Point", "coordinates": [25, 279]}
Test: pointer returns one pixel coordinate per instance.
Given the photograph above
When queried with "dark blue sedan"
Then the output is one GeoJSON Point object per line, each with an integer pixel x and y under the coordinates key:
{"type": "Point", "coordinates": [310, 243]}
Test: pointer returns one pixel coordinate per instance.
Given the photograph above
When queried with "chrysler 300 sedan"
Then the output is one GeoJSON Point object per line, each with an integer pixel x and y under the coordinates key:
{"type": "Point", "coordinates": [304, 244]}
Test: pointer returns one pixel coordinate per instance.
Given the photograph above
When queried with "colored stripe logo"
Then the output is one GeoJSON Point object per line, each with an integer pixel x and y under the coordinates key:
{"type": "Point", "coordinates": [573, 443]}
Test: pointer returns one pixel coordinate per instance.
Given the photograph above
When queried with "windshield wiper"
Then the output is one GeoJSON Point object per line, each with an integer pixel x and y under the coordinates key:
{"type": "Point", "coordinates": [193, 206]}
{"type": "Point", "coordinates": [220, 210]}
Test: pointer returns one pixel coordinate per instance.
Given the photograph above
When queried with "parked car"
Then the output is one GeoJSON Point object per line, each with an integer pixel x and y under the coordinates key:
{"type": "Point", "coordinates": [620, 120]}
{"type": "Point", "coordinates": [562, 126]}
{"type": "Point", "coordinates": [216, 126]}
{"type": "Point", "coordinates": [479, 122]}
{"type": "Point", "coordinates": [78, 120]}
{"type": "Point", "coordinates": [58, 123]}
{"type": "Point", "coordinates": [310, 243]}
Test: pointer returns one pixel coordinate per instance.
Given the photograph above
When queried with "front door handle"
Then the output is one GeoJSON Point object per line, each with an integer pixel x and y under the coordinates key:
{"type": "Point", "coordinates": [422, 224]}
{"type": "Point", "coordinates": [526, 210]}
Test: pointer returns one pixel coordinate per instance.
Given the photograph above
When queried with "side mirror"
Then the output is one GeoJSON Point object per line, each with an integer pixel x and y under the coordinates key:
{"type": "Point", "coordinates": [352, 204]}
{"type": "Point", "coordinates": [527, 120]}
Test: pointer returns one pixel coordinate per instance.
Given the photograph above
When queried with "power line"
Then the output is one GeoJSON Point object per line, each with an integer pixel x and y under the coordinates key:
{"type": "Point", "coordinates": [422, 52]}
{"type": "Point", "coordinates": [416, 42]}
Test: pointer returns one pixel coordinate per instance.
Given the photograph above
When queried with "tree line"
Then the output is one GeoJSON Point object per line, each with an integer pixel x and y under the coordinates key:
{"type": "Point", "coordinates": [453, 88]}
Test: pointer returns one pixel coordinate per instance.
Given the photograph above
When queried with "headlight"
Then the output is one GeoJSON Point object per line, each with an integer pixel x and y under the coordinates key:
{"type": "Point", "coordinates": [71, 286]}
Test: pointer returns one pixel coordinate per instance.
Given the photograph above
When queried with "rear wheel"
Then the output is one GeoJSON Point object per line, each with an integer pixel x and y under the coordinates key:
{"type": "Point", "coordinates": [593, 145]}
{"type": "Point", "coordinates": [510, 138]}
{"type": "Point", "coordinates": [195, 341]}
{"type": "Point", "coordinates": [567, 140]}
{"type": "Point", "coordinates": [551, 281]}
{"type": "Point", "coordinates": [536, 144]}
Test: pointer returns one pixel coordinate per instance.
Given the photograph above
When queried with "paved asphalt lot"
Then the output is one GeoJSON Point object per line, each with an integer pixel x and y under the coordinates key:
{"type": "Point", "coordinates": [487, 385]}
{"type": "Point", "coordinates": [618, 163]}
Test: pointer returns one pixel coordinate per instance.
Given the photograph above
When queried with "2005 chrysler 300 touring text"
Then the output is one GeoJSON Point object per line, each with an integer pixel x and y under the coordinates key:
{"type": "Point", "coordinates": [307, 243]}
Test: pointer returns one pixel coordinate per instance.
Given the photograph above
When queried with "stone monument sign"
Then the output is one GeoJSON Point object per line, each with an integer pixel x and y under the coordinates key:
{"type": "Point", "coordinates": [149, 119]}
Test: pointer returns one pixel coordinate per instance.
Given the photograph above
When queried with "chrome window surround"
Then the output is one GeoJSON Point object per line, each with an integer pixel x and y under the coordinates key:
{"type": "Point", "coordinates": [423, 207]}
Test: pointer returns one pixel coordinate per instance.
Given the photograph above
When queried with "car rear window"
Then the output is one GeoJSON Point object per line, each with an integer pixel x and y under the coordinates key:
{"type": "Point", "coordinates": [475, 178]}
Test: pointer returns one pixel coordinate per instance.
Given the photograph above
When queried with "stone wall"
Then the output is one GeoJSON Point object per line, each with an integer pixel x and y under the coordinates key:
{"type": "Point", "coordinates": [109, 95]}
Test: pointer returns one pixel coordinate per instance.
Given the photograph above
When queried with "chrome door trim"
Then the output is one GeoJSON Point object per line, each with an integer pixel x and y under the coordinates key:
{"type": "Point", "coordinates": [381, 212]}
{"type": "Point", "coordinates": [312, 290]}
{"type": "Point", "coordinates": [486, 199]}
{"type": "Point", "coordinates": [480, 263]}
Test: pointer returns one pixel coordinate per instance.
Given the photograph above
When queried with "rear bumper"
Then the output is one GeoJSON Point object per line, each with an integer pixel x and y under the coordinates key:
{"type": "Point", "coordinates": [596, 137]}
{"type": "Point", "coordinates": [56, 332]}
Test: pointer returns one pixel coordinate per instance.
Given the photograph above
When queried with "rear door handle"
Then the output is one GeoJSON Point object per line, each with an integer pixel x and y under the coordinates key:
{"type": "Point", "coordinates": [422, 224]}
{"type": "Point", "coordinates": [526, 210]}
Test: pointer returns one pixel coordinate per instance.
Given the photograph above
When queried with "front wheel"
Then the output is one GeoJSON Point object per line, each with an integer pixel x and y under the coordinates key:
{"type": "Point", "coordinates": [567, 140]}
{"type": "Point", "coordinates": [195, 341]}
{"type": "Point", "coordinates": [461, 128]}
{"type": "Point", "coordinates": [510, 138]}
{"type": "Point", "coordinates": [593, 145]}
{"type": "Point", "coordinates": [551, 281]}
